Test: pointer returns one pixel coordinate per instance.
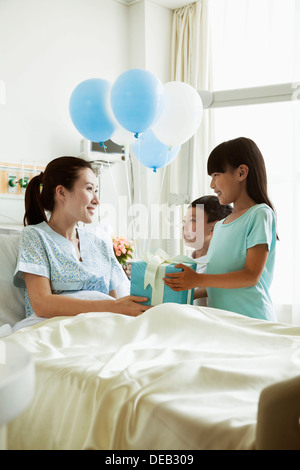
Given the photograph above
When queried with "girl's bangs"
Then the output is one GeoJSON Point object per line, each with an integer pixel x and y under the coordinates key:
{"type": "Point", "coordinates": [216, 162]}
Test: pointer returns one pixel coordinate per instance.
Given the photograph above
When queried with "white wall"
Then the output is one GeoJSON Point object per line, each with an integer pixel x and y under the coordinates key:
{"type": "Point", "coordinates": [46, 48]}
{"type": "Point", "coordinates": [150, 38]}
{"type": "Point", "coordinates": [150, 48]}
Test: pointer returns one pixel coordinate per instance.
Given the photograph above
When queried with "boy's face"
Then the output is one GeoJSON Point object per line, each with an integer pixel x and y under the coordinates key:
{"type": "Point", "coordinates": [194, 227]}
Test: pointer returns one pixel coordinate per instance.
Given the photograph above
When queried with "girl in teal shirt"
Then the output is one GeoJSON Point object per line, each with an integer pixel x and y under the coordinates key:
{"type": "Point", "coordinates": [241, 254]}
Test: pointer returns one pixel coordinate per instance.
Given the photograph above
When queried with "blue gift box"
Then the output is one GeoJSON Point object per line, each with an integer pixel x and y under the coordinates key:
{"type": "Point", "coordinates": [159, 293]}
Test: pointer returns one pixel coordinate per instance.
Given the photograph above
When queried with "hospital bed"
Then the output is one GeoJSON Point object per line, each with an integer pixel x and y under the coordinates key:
{"type": "Point", "coordinates": [176, 377]}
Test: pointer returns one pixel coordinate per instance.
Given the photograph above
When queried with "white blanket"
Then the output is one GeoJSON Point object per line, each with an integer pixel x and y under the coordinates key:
{"type": "Point", "coordinates": [177, 377]}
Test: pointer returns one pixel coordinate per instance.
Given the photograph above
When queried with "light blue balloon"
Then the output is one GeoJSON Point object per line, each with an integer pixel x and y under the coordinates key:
{"type": "Point", "coordinates": [90, 110]}
{"type": "Point", "coordinates": [152, 153]}
{"type": "Point", "coordinates": [137, 98]}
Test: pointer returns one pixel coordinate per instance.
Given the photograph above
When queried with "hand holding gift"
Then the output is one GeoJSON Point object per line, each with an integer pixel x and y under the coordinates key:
{"type": "Point", "coordinates": [147, 278]}
{"type": "Point", "coordinates": [185, 279]}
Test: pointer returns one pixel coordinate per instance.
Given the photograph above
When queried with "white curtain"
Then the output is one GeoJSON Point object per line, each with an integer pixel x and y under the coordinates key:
{"type": "Point", "coordinates": [191, 63]}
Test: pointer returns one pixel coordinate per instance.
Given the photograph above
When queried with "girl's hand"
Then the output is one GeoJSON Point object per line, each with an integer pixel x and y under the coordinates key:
{"type": "Point", "coordinates": [130, 305]}
{"type": "Point", "coordinates": [183, 280]}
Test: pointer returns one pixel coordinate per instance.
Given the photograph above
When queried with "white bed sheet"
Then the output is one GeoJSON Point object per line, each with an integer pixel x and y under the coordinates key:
{"type": "Point", "coordinates": [177, 377]}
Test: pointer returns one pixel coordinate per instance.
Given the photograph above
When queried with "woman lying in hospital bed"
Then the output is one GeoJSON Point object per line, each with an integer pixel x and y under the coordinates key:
{"type": "Point", "coordinates": [66, 270]}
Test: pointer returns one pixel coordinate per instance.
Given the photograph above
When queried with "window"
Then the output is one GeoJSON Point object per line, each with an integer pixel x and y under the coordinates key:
{"type": "Point", "coordinates": [271, 127]}
{"type": "Point", "coordinates": [254, 44]}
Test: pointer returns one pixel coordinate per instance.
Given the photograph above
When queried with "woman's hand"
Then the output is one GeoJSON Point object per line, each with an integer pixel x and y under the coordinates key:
{"type": "Point", "coordinates": [183, 280]}
{"type": "Point", "coordinates": [130, 305]}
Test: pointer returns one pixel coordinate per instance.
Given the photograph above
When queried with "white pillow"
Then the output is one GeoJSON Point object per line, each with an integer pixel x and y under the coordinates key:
{"type": "Point", "coordinates": [12, 306]}
{"type": "Point", "coordinates": [87, 295]}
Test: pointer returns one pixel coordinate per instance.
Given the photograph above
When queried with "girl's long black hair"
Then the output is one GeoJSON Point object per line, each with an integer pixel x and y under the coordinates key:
{"type": "Point", "coordinates": [236, 152]}
{"type": "Point", "coordinates": [242, 151]}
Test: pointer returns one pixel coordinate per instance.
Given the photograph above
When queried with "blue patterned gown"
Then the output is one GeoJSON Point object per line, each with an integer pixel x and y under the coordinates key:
{"type": "Point", "coordinates": [44, 252]}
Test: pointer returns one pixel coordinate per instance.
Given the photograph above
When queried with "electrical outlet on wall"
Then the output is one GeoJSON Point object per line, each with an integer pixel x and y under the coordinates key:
{"type": "Point", "coordinates": [24, 183]}
{"type": "Point", "coordinates": [14, 178]}
{"type": "Point", "coordinates": [12, 183]}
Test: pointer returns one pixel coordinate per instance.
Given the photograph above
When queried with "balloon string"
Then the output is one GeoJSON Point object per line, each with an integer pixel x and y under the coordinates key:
{"type": "Point", "coordinates": [130, 206]}
{"type": "Point", "coordinates": [148, 212]}
{"type": "Point", "coordinates": [159, 200]}
{"type": "Point", "coordinates": [139, 189]}
{"type": "Point", "coordinates": [114, 183]}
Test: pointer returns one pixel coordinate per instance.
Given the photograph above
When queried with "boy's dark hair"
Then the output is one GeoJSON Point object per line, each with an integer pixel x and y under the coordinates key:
{"type": "Point", "coordinates": [214, 210]}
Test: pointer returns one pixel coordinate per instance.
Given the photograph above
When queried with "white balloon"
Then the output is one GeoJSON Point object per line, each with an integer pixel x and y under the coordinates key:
{"type": "Point", "coordinates": [122, 137]}
{"type": "Point", "coordinates": [181, 115]}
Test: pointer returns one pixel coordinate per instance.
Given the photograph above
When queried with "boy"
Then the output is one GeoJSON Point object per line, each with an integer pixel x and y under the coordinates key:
{"type": "Point", "coordinates": [198, 226]}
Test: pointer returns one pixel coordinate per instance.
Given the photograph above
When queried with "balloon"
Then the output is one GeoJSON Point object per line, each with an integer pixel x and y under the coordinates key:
{"type": "Point", "coordinates": [137, 99]}
{"type": "Point", "coordinates": [122, 136]}
{"type": "Point", "coordinates": [151, 152]}
{"type": "Point", "coordinates": [90, 110]}
{"type": "Point", "coordinates": [181, 115]}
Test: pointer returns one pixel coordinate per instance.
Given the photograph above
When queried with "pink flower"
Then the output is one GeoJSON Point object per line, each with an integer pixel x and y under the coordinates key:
{"type": "Point", "coordinates": [123, 248]}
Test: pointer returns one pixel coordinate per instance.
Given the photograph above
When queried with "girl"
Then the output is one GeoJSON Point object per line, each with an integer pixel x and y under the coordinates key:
{"type": "Point", "coordinates": [66, 270]}
{"type": "Point", "coordinates": [241, 254]}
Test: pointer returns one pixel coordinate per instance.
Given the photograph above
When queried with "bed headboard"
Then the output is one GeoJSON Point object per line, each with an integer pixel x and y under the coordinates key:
{"type": "Point", "coordinates": [12, 307]}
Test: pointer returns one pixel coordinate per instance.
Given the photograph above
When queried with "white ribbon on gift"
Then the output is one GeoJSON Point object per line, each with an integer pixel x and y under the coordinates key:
{"type": "Point", "coordinates": [161, 259]}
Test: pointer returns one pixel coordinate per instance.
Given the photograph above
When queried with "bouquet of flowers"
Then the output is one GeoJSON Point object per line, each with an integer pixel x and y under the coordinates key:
{"type": "Point", "coordinates": [123, 249]}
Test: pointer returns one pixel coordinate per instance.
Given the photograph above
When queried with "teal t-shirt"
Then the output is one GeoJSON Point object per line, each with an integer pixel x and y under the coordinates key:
{"type": "Point", "coordinates": [227, 253]}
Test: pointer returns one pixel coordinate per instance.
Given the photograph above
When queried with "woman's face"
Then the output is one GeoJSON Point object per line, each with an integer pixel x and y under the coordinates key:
{"type": "Point", "coordinates": [82, 200]}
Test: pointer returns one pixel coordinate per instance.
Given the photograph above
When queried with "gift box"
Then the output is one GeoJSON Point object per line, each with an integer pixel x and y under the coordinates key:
{"type": "Point", "coordinates": [147, 279]}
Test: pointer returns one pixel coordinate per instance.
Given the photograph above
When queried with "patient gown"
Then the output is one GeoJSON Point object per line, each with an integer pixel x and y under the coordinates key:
{"type": "Point", "coordinates": [44, 252]}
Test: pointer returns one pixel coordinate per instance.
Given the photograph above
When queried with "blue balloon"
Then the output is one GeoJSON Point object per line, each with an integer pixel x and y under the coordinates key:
{"type": "Point", "coordinates": [90, 110]}
{"type": "Point", "coordinates": [152, 153]}
{"type": "Point", "coordinates": [137, 98]}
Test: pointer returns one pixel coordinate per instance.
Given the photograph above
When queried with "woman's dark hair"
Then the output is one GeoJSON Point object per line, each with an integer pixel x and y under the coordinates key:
{"type": "Point", "coordinates": [242, 151]}
{"type": "Point", "coordinates": [40, 192]}
{"type": "Point", "coordinates": [214, 210]}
